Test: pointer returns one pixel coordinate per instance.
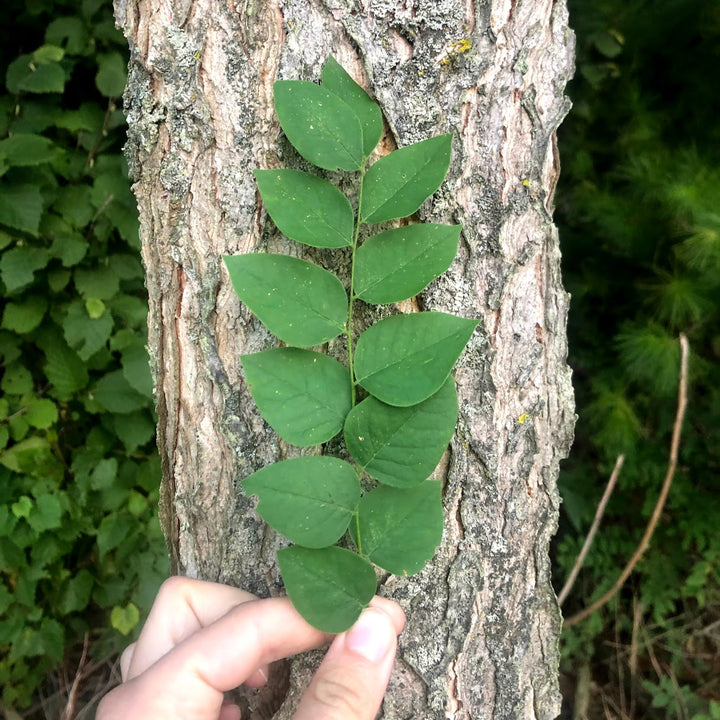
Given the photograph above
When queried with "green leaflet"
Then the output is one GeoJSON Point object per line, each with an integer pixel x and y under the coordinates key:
{"type": "Point", "coordinates": [398, 184]}
{"type": "Point", "coordinates": [310, 500]}
{"type": "Point", "coordinates": [303, 395]}
{"type": "Point", "coordinates": [321, 127]}
{"type": "Point", "coordinates": [299, 302]}
{"type": "Point", "coordinates": [397, 264]}
{"type": "Point", "coordinates": [401, 446]}
{"type": "Point", "coordinates": [336, 79]}
{"type": "Point", "coordinates": [306, 208]}
{"type": "Point", "coordinates": [400, 529]}
{"type": "Point", "coordinates": [329, 587]}
{"type": "Point", "coordinates": [398, 434]}
{"type": "Point", "coordinates": [404, 359]}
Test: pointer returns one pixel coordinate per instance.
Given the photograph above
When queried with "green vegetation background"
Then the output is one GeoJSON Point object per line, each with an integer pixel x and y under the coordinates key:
{"type": "Point", "coordinates": [639, 212]}
{"type": "Point", "coordinates": [80, 547]}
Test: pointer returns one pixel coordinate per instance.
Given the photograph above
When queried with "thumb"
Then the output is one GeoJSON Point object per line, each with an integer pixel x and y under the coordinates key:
{"type": "Point", "coordinates": [351, 681]}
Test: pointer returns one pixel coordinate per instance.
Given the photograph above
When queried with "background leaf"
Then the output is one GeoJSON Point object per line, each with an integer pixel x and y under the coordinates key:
{"type": "Point", "coordinates": [64, 369]}
{"type": "Point", "coordinates": [404, 359]}
{"type": "Point", "coordinates": [401, 446]}
{"type": "Point", "coordinates": [336, 79]}
{"type": "Point", "coordinates": [304, 396]}
{"type": "Point", "coordinates": [400, 529]}
{"type": "Point", "coordinates": [136, 368]}
{"type": "Point", "coordinates": [299, 302]}
{"type": "Point", "coordinates": [111, 75]}
{"type": "Point", "coordinates": [86, 335]}
{"type": "Point", "coordinates": [306, 208]}
{"type": "Point", "coordinates": [116, 395]}
{"type": "Point", "coordinates": [25, 149]}
{"type": "Point", "coordinates": [398, 184]}
{"type": "Point", "coordinates": [21, 206]}
{"type": "Point", "coordinates": [321, 127]}
{"type": "Point", "coordinates": [23, 74]}
{"type": "Point", "coordinates": [124, 619]}
{"type": "Point", "coordinates": [397, 264]}
{"type": "Point", "coordinates": [42, 413]}
{"type": "Point", "coordinates": [24, 316]}
{"type": "Point", "coordinates": [310, 500]}
{"type": "Point", "coordinates": [328, 587]}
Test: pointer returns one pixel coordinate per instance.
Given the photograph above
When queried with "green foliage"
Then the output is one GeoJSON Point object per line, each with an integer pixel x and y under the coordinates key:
{"type": "Point", "coordinates": [639, 222]}
{"type": "Point", "coordinates": [398, 433]}
{"type": "Point", "coordinates": [80, 546]}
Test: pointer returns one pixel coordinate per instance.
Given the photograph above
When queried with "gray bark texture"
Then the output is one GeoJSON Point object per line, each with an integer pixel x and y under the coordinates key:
{"type": "Point", "coordinates": [481, 639]}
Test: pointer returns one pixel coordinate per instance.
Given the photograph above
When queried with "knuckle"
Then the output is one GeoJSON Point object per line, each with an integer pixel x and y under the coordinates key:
{"type": "Point", "coordinates": [173, 587]}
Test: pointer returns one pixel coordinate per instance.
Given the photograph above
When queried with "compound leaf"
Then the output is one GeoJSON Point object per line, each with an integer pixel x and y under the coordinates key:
{"type": "Point", "coordinates": [321, 127]}
{"type": "Point", "coordinates": [398, 184]}
{"type": "Point", "coordinates": [404, 359]}
{"type": "Point", "coordinates": [328, 587]}
{"type": "Point", "coordinates": [310, 500]}
{"type": "Point", "coordinates": [299, 302]}
{"type": "Point", "coordinates": [400, 529]}
{"type": "Point", "coordinates": [400, 446]}
{"type": "Point", "coordinates": [336, 79]}
{"type": "Point", "coordinates": [306, 208]}
{"type": "Point", "coordinates": [304, 396]}
{"type": "Point", "coordinates": [397, 264]}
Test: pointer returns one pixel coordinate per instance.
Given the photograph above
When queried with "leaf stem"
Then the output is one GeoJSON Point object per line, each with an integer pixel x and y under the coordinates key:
{"type": "Point", "coordinates": [357, 532]}
{"type": "Point", "coordinates": [349, 332]}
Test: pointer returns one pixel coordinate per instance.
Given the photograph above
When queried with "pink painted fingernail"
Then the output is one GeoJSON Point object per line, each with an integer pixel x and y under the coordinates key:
{"type": "Point", "coordinates": [371, 636]}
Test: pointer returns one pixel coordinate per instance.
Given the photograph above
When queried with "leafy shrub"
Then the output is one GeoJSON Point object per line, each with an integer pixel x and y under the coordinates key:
{"type": "Point", "coordinates": [80, 546]}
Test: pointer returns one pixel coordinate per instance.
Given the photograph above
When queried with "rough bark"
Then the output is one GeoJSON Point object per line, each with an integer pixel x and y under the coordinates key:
{"type": "Point", "coordinates": [483, 624]}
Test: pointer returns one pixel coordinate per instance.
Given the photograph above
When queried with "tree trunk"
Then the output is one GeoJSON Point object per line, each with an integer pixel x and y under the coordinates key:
{"type": "Point", "coordinates": [483, 624]}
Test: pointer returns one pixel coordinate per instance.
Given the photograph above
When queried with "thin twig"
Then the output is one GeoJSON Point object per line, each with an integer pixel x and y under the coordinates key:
{"type": "Point", "coordinates": [593, 529]}
{"type": "Point", "coordinates": [69, 712]}
{"type": "Point", "coordinates": [620, 671]}
{"type": "Point", "coordinates": [660, 504]}
{"type": "Point", "coordinates": [634, 652]}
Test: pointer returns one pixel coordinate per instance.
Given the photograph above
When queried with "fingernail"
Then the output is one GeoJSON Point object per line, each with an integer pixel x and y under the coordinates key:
{"type": "Point", "coordinates": [371, 636]}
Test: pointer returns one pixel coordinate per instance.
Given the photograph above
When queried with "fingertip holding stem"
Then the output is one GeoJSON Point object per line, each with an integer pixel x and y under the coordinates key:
{"type": "Point", "coordinates": [351, 681]}
{"type": "Point", "coordinates": [372, 636]}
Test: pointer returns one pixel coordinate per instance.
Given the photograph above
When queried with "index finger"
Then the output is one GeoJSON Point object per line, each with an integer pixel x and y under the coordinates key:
{"type": "Point", "coordinates": [183, 606]}
{"type": "Point", "coordinates": [190, 680]}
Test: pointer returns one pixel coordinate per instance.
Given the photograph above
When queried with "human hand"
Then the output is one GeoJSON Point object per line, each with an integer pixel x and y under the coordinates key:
{"type": "Point", "coordinates": [203, 639]}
